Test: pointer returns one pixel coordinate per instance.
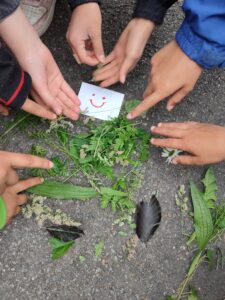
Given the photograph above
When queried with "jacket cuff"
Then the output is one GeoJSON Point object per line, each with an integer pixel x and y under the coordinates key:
{"type": "Point", "coordinates": [74, 3]}
{"type": "Point", "coordinates": [20, 92]}
{"type": "Point", "coordinates": [8, 7]}
{"type": "Point", "coordinates": [203, 52]}
{"type": "Point", "coordinates": [153, 10]}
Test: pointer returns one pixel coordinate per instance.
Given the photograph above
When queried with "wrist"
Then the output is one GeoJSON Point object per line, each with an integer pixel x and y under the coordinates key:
{"type": "Point", "coordinates": [77, 3]}
{"type": "Point", "coordinates": [145, 24]}
{"type": "Point", "coordinates": [3, 213]}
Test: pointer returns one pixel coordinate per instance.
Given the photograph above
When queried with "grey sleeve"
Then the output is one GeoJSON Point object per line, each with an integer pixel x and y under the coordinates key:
{"type": "Point", "coordinates": [7, 7]}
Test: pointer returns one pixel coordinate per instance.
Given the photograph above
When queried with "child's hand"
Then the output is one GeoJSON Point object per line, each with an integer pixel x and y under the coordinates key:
{"type": "Point", "coordinates": [84, 34]}
{"type": "Point", "coordinates": [126, 53]}
{"type": "Point", "coordinates": [205, 142]}
{"type": "Point", "coordinates": [173, 74]}
{"type": "Point", "coordinates": [10, 161]}
{"type": "Point", "coordinates": [13, 200]}
{"type": "Point", "coordinates": [49, 86]}
{"type": "Point", "coordinates": [38, 110]}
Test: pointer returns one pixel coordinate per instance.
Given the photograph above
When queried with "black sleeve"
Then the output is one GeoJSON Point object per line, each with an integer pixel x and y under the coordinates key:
{"type": "Point", "coordinates": [153, 10]}
{"type": "Point", "coordinates": [7, 7]}
{"type": "Point", "coordinates": [15, 84]}
{"type": "Point", "coordinates": [74, 3]}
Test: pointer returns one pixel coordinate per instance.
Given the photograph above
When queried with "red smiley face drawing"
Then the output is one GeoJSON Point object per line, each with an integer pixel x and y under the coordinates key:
{"type": "Point", "coordinates": [92, 101]}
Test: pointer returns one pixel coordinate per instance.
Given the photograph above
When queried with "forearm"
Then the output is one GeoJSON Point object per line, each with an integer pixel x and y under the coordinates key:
{"type": "Point", "coordinates": [19, 35]}
{"type": "Point", "coordinates": [152, 10]}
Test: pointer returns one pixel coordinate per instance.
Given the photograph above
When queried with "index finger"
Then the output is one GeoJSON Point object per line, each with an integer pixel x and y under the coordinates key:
{"type": "Point", "coordinates": [18, 160]}
{"type": "Point", "coordinates": [147, 103]}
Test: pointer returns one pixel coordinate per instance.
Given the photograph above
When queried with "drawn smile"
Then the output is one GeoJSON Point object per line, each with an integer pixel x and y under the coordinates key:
{"type": "Point", "coordinates": [96, 105]}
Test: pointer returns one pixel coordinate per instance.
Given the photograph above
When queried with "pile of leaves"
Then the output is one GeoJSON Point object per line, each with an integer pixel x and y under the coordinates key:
{"type": "Point", "coordinates": [208, 218]}
{"type": "Point", "coordinates": [95, 154]}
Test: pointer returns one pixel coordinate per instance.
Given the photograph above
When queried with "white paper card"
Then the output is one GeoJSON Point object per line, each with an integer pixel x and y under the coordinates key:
{"type": "Point", "coordinates": [98, 102]}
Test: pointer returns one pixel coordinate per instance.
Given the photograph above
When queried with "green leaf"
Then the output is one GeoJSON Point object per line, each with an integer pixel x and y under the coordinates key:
{"type": "Point", "coordinates": [211, 257]}
{"type": "Point", "coordinates": [170, 298]}
{"type": "Point", "coordinates": [99, 248]}
{"type": "Point", "coordinates": [58, 168]}
{"type": "Point", "coordinates": [63, 191]}
{"type": "Point", "coordinates": [59, 248]}
{"type": "Point", "coordinates": [111, 192]}
{"type": "Point", "coordinates": [82, 258]}
{"type": "Point", "coordinates": [210, 185]}
{"type": "Point", "coordinates": [131, 104]}
{"type": "Point", "coordinates": [202, 218]}
{"type": "Point", "coordinates": [63, 136]}
{"type": "Point", "coordinates": [193, 295]}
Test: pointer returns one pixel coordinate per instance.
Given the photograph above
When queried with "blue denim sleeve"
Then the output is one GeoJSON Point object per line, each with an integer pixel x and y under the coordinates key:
{"type": "Point", "coordinates": [202, 34]}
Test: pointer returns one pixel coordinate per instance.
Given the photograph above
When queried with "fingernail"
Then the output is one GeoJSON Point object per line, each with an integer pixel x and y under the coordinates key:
{"type": "Point", "coordinates": [58, 111]}
{"type": "Point", "coordinates": [160, 125]}
{"type": "Point", "coordinates": [170, 107]}
{"type": "Point", "coordinates": [129, 117]}
{"type": "Point", "coordinates": [51, 165]}
{"type": "Point", "coordinates": [53, 116]}
{"type": "Point", "coordinates": [76, 58]}
{"type": "Point", "coordinates": [152, 140]}
{"type": "Point", "coordinates": [102, 58]}
{"type": "Point", "coordinates": [123, 79]}
{"type": "Point", "coordinates": [152, 128]}
{"type": "Point", "coordinates": [41, 179]}
{"type": "Point", "coordinates": [174, 162]}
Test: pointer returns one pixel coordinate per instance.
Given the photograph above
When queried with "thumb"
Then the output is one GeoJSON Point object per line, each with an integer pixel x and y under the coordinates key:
{"type": "Point", "coordinates": [127, 65]}
{"type": "Point", "coordinates": [98, 47]}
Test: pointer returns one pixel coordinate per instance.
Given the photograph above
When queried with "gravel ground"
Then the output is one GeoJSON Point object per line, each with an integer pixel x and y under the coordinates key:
{"type": "Point", "coordinates": [26, 270]}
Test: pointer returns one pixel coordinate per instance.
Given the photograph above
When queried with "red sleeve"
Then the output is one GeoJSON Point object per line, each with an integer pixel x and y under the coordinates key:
{"type": "Point", "coordinates": [15, 84]}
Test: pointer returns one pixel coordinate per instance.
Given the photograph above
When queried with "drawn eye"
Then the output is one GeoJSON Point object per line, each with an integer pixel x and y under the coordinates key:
{"type": "Point", "coordinates": [103, 98]}
{"type": "Point", "coordinates": [93, 94]}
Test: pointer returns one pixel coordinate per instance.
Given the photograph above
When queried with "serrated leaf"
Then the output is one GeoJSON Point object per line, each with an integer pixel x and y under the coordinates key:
{"type": "Point", "coordinates": [62, 135]}
{"type": "Point", "coordinates": [210, 185]}
{"type": "Point", "coordinates": [202, 218]}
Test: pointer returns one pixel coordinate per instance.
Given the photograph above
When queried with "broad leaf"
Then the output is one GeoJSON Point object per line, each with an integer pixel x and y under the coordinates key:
{"type": "Point", "coordinates": [202, 218]}
{"type": "Point", "coordinates": [59, 248]}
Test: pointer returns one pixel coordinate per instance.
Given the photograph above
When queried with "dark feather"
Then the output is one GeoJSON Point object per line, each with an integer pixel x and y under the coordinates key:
{"type": "Point", "coordinates": [148, 217]}
{"type": "Point", "coordinates": [65, 233]}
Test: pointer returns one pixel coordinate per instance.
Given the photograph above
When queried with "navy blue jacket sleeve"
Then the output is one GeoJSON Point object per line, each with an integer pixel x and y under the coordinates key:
{"type": "Point", "coordinates": [74, 3]}
{"type": "Point", "coordinates": [153, 10]}
{"type": "Point", "coordinates": [202, 34]}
